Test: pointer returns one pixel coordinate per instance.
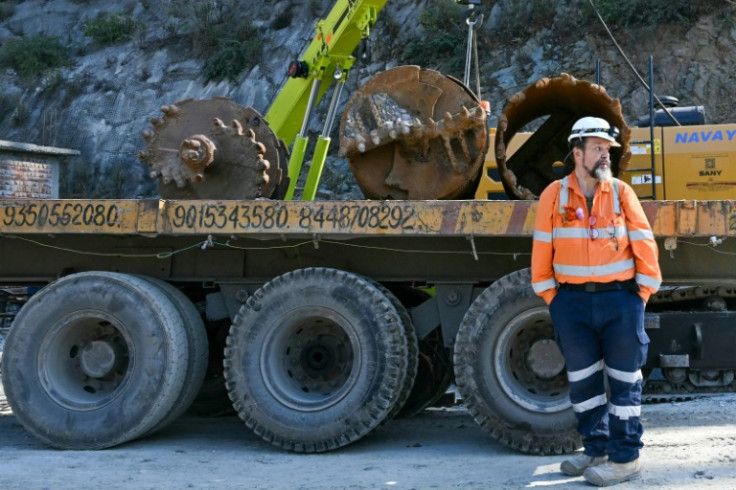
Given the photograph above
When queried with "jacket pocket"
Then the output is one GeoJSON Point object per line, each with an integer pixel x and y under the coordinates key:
{"type": "Point", "coordinates": [642, 334]}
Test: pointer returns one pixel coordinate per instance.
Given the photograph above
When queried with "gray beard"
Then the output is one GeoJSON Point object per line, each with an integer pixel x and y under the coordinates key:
{"type": "Point", "coordinates": [601, 174]}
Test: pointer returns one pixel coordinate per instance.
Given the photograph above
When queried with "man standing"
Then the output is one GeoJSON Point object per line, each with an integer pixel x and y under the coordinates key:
{"type": "Point", "coordinates": [595, 263]}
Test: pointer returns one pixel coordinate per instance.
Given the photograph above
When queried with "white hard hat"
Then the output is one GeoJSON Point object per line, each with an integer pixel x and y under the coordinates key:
{"type": "Point", "coordinates": [594, 127]}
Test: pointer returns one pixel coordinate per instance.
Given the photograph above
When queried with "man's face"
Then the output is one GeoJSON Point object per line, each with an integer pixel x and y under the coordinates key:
{"type": "Point", "coordinates": [595, 158]}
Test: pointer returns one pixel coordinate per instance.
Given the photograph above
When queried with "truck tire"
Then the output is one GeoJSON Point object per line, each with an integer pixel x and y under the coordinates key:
{"type": "Point", "coordinates": [510, 372]}
{"type": "Point", "coordinates": [198, 350]}
{"type": "Point", "coordinates": [434, 375]}
{"type": "Point", "coordinates": [212, 399]}
{"type": "Point", "coordinates": [412, 350]}
{"type": "Point", "coordinates": [94, 360]}
{"type": "Point", "coordinates": [315, 360]}
{"type": "Point", "coordinates": [434, 366]}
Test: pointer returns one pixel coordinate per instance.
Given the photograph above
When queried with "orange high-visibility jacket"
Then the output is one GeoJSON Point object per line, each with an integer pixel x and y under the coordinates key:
{"type": "Point", "coordinates": [567, 248]}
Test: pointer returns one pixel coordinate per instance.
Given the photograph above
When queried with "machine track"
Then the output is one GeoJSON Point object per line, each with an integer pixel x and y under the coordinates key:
{"type": "Point", "coordinates": [686, 383]}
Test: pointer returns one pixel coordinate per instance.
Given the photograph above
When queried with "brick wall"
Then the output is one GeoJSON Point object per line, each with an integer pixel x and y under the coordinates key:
{"type": "Point", "coordinates": [30, 171]}
{"type": "Point", "coordinates": [20, 178]}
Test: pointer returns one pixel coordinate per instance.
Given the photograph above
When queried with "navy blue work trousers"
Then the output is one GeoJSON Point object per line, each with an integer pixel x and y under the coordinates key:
{"type": "Point", "coordinates": [602, 337]}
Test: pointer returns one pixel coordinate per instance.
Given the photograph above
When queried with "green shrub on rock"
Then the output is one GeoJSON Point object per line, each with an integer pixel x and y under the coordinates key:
{"type": "Point", "coordinates": [32, 57]}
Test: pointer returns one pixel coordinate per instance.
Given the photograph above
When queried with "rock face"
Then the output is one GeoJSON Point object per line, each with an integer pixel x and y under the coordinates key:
{"type": "Point", "coordinates": [100, 104]}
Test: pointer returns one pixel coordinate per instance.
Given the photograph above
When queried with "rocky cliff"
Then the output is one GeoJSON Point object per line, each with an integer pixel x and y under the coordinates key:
{"type": "Point", "coordinates": [101, 96]}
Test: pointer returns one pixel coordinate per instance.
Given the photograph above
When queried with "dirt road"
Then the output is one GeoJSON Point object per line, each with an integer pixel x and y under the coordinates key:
{"type": "Point", "coordinates": [688, 445]}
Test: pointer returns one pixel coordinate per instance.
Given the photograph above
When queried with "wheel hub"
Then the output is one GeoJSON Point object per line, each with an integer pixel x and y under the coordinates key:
{"type": "Point", "coordinates": [321, 357]}
{"type": "Point", "coordinates": [85, 360]}
{"type": "Point", "coordinates": [311, 362]}
{"type": "Point", "coordinates": [98, 358]}
{"type": "Point", "coordinates": [529, 365]}
{"type": "Point", "coordinates": [318, 362]}
{"type": "Point", "coordinates": [545, 359]}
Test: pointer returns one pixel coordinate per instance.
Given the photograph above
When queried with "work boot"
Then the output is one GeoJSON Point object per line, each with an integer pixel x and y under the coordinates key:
{"type": "Point", "coordinates": [576, 466]}
{"type": "Point", "coordinates": [612, 473]}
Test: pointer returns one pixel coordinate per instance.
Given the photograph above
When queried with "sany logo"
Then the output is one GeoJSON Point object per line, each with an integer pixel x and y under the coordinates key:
{"type": "Point", "coordinates": [705, 136]}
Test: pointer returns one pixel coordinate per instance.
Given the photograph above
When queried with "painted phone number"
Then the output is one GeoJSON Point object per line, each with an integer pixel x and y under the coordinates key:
{"type": "Point", "coordinates": [61, 214]}
{"type": "Point", "coordinates": [278, 217]}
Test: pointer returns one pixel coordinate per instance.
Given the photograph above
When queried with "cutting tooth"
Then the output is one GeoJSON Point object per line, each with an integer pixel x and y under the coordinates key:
{"type": "Point", "coordinates": [375, 138]}
{"type": "Point", "coordinates": [170, 110]}
{"type": "Point", "coordinates": [361, 143]}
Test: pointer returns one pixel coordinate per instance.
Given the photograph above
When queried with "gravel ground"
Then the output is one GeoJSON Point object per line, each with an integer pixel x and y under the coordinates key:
{"type": "Point", "coordinates": [688, 445]}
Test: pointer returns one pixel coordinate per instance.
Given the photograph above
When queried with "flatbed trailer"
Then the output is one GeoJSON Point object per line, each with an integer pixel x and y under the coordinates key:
{"type": "Point", "coordinates": [388, 240]}
{"type": "Point", "coordinates": [330, 314]}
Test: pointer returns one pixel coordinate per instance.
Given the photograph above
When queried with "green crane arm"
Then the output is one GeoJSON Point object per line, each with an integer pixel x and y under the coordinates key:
{"type": "Point", "coordinates": [328, 58]}
{"type": "Point", "coordinates": [335, 40]}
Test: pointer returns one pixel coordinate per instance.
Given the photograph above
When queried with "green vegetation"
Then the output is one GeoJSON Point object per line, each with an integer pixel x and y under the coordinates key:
{"type": "Point", "coordinates": [282, 20]}
{"type": "Point", "coordinates": [112, 183]}
{"type": "Point", "coordinates": [228, 42]}
{"type": "Point", "coordinates": [645, 13]}
{"type": "Point", "coordinates": [441, 43]}
{"type": "Point", "coordinates": [107, 29]}
{"type": "Point", "coordinates": [20, 115]}
{"type": "Point", "coordinates": [230, 59]}
{"type": "Point", "coordinates": [82, 180]}
{"type": "Point", "coordinates": [6, 9]}
{"type": "Point", "coordinates": [77, 180]}
{"type": "Point", "coordinates": [32, 57]}
{"type": "Point", "coordinates": [520, 19]}
{"type": "Point", "coordinates": [7, 104]}
{"type": "Point", "coordinates": [235, 51]}
{"type": "Point", "coordinates": [315, 8]}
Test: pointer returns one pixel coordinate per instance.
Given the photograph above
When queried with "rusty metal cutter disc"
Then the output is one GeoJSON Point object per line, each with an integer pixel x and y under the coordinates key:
{"type": "Point", "coordinates": [413, 133]}
{"type": "Point", "coordinates": [562, 101]}
{"type": "Point", "coordinates": [215, 149]}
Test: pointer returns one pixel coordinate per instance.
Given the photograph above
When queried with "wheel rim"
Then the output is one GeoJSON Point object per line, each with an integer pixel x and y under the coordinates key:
{"type": "Point", "coordinates": [85, 360]}
{"type": "Point", "coordinates": [528, 364]}
{"type": "Point", "coordinates": [309, 362]}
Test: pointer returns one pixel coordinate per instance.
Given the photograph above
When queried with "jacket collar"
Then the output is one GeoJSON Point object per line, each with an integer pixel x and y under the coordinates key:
{"type": "Point", "coordinates": [602, 186]}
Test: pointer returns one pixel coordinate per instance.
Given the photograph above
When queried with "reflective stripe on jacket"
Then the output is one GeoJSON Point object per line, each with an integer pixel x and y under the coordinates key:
{"type": "Point", "coordinates": [622, 246]}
